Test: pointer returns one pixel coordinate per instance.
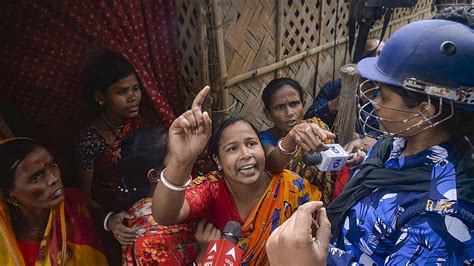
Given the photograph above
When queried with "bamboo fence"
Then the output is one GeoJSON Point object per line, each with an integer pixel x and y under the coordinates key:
{"type": "Point", "coordinates": [238, 46]}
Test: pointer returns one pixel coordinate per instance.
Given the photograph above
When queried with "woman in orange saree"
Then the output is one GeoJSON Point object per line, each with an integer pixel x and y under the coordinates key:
{"type": "Point", "coordinates": [241, 190]}
{"type": "Point", "coordinates": [211, 198]}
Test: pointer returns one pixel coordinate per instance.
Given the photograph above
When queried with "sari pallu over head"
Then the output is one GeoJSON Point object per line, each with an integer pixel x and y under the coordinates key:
{"type": "Point", "coordinates": [70, 237]}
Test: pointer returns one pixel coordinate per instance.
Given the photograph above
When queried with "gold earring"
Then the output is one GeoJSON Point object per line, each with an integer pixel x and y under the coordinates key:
{"type": "Point", "coordinates": [14, 203]}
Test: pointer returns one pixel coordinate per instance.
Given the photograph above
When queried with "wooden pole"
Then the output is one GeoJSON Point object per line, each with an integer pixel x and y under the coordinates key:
{"type": "Point", "coordinates": [222, 84]}
{"type": "Point", "coordinates": [344, 123]}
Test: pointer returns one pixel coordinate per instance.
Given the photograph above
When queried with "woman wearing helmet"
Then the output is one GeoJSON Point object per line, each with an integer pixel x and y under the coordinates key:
{"type": "Point", "coordinates": [412, 200]}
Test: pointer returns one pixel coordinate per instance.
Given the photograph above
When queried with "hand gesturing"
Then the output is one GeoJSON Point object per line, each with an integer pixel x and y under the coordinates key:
{"type": "Point", "coordinates": [190, 132]}
{"type": "Point", "coordinates": [299, 241]}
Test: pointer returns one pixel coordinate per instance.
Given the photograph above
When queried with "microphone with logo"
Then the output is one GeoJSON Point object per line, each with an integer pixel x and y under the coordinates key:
{"type": "Point", "coordinates": [225, 251]}
{"type": "Point", "coordinates": [332, 159]}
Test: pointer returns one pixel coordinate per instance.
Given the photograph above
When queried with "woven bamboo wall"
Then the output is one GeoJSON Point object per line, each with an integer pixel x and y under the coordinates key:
{"type": "Point", "coordinates": [256, 41]}
{"type": "Point", "coordinates": [193, 45]}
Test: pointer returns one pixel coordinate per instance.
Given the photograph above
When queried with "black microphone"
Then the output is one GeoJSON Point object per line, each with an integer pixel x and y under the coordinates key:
{"type": "Point", "coordinates": [312, 157]}
{"type": "Point", "coordinates": [232, 231]}
{"type": "Point", "coordinates": [225, 251]}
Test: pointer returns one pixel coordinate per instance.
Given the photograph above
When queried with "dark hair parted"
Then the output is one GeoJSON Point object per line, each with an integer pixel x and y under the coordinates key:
{"type": "Point", "coordinates": [213, 149]}
{"type": "Point", "coordinates": [11, 154]}
{"type": "Point", "coordinates": [277, 84]}
{"type": "Point", "coordinates": [106, 69]}
{"type": "Point", "coordinates": [462, 122]}
{"type": "Point", "coordinates": [140, 151]}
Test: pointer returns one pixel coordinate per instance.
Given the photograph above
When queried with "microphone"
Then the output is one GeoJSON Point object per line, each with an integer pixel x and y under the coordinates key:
{"type": "Point", "coordinates": [332, 159]}
{"type": "Point", "coordinates": [225, 251]}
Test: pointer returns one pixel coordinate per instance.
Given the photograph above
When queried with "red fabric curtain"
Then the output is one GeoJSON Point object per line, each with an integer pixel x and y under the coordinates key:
{"type": "Point", "coordinates": [45, 46]}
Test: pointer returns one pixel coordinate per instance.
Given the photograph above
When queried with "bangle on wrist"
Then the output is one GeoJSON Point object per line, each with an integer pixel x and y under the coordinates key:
{"type": "Point", "coordinates": [174, 187]}
{"type": "Point", "coordinates": [106, 219]}
{"type": "Point", "coordinates": [285, 151]}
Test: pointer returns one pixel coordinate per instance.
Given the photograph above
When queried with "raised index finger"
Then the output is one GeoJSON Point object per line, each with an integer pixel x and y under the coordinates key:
{"type": "Point", "coordinates": [200, 97]}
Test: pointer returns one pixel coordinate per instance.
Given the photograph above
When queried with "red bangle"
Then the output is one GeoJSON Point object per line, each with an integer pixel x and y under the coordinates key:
{"type": "Point", "coordinates": [285, 151]}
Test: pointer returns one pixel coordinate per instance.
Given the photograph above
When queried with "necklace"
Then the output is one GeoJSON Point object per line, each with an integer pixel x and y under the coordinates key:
{"type": "Point", "coordinates": [110, 123]}
{"type": "Point", "coordinates": [28, 231]}
{"type": "Point", "coordinates": [112, 127]}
